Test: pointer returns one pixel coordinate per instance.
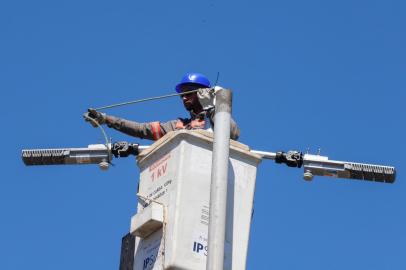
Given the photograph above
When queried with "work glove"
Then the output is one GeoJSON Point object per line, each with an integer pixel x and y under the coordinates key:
{"type": "Point", "coordinates": [99, 117]}
{"type": "Point", "coordinates": [207, 97]}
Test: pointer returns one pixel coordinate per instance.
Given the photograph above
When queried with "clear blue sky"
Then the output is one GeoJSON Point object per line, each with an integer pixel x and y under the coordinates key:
{"type": "Point", "coordinates": [327, 74]}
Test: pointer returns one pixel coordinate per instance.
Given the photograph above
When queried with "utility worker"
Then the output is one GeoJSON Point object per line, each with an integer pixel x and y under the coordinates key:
{"type": "Point", "coordinates": [201, 116]}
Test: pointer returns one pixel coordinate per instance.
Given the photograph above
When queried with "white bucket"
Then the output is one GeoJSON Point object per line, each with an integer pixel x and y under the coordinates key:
{"type": "Point", "coordinates": [175, 188]}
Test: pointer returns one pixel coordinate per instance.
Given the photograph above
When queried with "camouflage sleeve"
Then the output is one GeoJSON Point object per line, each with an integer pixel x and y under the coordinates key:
{"type": "Point", "coordinates": [234, 130]}
{"type": "Point", "coordinates": [150, 131]}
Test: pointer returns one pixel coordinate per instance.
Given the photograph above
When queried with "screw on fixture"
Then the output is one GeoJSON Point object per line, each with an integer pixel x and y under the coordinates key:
{"type": "Point", "coordinates": [308, 176]}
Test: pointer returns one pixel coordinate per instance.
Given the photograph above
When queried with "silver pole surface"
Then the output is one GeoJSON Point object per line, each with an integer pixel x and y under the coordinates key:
{"type": "Point", "coordinates": [219, 178]}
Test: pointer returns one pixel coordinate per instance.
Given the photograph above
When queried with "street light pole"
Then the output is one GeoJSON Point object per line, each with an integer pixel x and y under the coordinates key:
{"type": "Point", "coordinates": [219, 178]}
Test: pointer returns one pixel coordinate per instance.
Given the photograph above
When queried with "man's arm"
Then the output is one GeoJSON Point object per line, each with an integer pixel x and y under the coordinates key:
{"type": "Point", "coordinates": [234, 129]}
{"type": "Point", "coordinates": [206, 98]}
{"type": "Point", "coordinates": [150, 131]}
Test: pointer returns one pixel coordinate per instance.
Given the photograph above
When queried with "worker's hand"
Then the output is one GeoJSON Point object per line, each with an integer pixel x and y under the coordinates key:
{"type": "Point", "coordinates": [207, 98]}
{"type": "Point", "coordinates": [98, 117]}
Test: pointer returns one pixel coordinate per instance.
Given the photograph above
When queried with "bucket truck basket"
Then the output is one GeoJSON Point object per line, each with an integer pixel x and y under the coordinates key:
{"type": "Point", "coordinates": [171, 226]}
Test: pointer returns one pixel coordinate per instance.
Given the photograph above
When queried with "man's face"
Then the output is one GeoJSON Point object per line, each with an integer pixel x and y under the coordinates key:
{"type": "Point", "coordinates": [191, 101]}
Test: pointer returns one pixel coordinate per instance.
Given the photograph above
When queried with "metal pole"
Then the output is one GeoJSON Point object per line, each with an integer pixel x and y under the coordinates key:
{"type": "Point", "coordinates": [219, 178]}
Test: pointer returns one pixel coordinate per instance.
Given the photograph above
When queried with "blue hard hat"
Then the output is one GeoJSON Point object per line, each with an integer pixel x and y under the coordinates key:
{"type": "Point", "coordinates": [195, 78]}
